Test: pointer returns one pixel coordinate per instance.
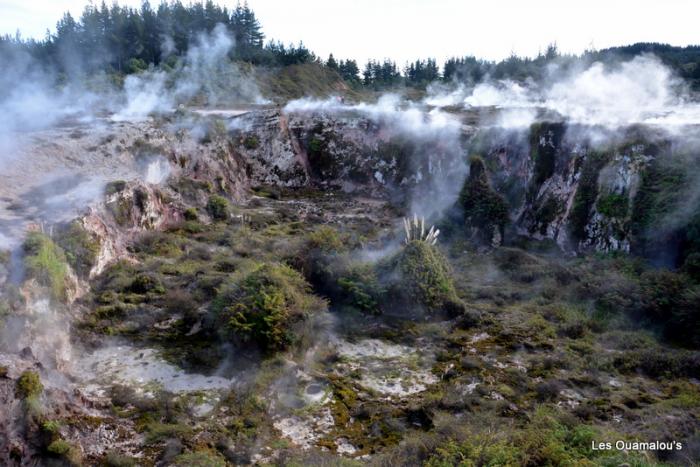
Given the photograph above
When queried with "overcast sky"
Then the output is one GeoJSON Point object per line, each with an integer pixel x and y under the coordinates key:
{"type": "Point", "coordinates": [408, 29]}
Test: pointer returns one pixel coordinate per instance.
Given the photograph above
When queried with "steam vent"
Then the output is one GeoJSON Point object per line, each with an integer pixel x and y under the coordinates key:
{"type": "Point", "coordinates": [218, 249]}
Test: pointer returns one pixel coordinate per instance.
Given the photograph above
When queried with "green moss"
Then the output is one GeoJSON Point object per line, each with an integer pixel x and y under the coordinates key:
{"type": "Point", "coordinates": [46, 262]}
{"type": "Point", "coordinates": [263, 305]}
{"type": "Point", "coordinates": [613, 205]}
{"type": "Point", "coordinates": [218, 207]}
{"type": "Point", "coordinates": [29, 385]}
{"type": "Point", "coordinates": [484, 209]}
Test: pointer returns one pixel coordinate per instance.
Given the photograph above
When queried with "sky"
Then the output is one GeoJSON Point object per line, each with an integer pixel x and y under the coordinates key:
{"type": "Point", "coordinates": [404, 30]}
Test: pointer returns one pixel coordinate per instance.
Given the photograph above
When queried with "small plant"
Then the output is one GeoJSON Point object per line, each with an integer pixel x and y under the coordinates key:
{"type": "Point", "coordinates": [415, 230]}
{"type": "Point", "coordinates": [251, 142]}
{"type": "Point", "coordinates": [264, 305]}
{"type": "Point", "coordinates": [66, 451]}
{"type": "Point", "coordinates": [51, 426]}
{"type": "Point", "coordinates": [218, 207]}
{"type": "Point", "coordinates": [46, 262]}
{"type": "Point", "coordinates": [190, 214]}
{"type": "Point", "coordinates": [484, 209]}
{"type": "Point", "coordinates": [29, 385]}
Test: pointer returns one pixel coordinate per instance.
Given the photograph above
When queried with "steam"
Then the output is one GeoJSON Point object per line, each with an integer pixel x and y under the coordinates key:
{"type": "Point", "coordinates": [636, 91]}
{"type": "Point", "coordinates": [31, 98]}
{"type": "Point", "coordinates": [206, 73]}
{"type": "Point", "coordinates": [641, 90]}
{"type": "Point", "coordinates": [157, 171]}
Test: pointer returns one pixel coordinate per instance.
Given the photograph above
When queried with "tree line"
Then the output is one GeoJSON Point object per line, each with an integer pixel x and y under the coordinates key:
{"type": "Point", "coordinates": [123, 40]}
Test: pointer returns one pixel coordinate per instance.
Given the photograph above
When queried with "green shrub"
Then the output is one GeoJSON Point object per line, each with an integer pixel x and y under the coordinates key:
{"type": "Point", "coordinates": [190, 214]}
{"type": "Point", "coordinates": [46, 262]}
{"type": "Point", "coordinates": [670, 299]}
{"type": "Point", "coordinates": [145, 283]}
{"type": "Point", "coordinates": [361, 288]}
{"type": "Point", "coordinates": [157, 432]}
{"type": "Point", "coordinates": [29, 385]}
{"type": "Point", "coordinates": [51, 426]}
{"type": "Point", "coordinates": [484, 209]}
{"type": "Point", "coordinates": [80, 247]}
{"type": "Point", "coordinates": [613, 205]}
{"type": "Point", "coordinates": [114, 459]}
{"type": "Point", "coordinates": [218, 207]}
{"type": "Point", "coordinates": [420, 274]}
{"type": "Point", "coordinates": [66, 451]}
{"type": "Point", "coordinates": [200, 459]}
{"type": "Point", "coordinates": [115, 187]}
{"type": "Point", "coordinates": [476, 451]}
{"type": "Point", "coordinates": [263, 306]}
{"type": "Point", "coordinates": [251, 142]}
{"type": "Point", "coordinates": [59, 447]}
{"type": "Point", "coordinates": [326, 239]}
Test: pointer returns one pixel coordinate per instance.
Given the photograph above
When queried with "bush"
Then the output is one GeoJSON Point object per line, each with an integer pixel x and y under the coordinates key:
{"type": "Point", "coordinates": [29, 385]}
{"type": "Point", "coordinates": [484, 209]}
{"type": "Point", "coordinates": [613, 205]}
{"type": "Point", "coordinates": [361, 288]}
{"type": "Point", "coordinates": [670, 299]}
{"type": "Point", "coordinates": [145, 283]}
{"type": "Point", "coordinates": [420, 274]}
{"type": "Point", "coordinates": [114, 459]}
{"type": "Point", "coordinates": [200, 459]}
{"type": "Point", "coordinates": [65, 450]}
{"type": "Point", "coordinates": [263, 306]}
{"type": "Point", "coordinates": [80, 247]}
{"type": "Point", "coordinates": [218, 207]}
{"type": "Point", "coordinates": [251, 142]}
{"type": "Point", "coordinates": [326, 239]}
{"type": "Point", "coordinates": [190, 214]}
{"type": "Point", "coordinates": [46, 262]}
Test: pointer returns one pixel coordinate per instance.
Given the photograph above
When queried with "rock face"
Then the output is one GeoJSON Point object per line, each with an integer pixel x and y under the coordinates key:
{"type": "Point", "coordinates": [588, 189]}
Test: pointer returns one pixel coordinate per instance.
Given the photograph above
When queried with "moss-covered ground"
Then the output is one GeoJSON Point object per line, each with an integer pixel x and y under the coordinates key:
{"type": "Point", "coordinates": [418, 355]}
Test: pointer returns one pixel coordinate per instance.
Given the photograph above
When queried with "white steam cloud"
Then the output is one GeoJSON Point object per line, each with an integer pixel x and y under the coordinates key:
{"type": "Point", "coordinates": [206, 72]}
{"type": "Point", "coordinates": [641, 90]}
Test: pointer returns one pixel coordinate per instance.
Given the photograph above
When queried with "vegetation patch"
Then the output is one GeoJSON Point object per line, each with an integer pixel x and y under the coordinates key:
{"type": "Point", "coordinates": [484, 209]}
{"type": "Point", "coordinates": [46, 262]}
{"type": "Point", "coordinates": [29, 385]}
{"type": "Point", "coordinates": [419, 273]}
{"type": "Point", "coordinates": [263, 306]}
{"type": "Point", "coordinates": [586, 193]}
